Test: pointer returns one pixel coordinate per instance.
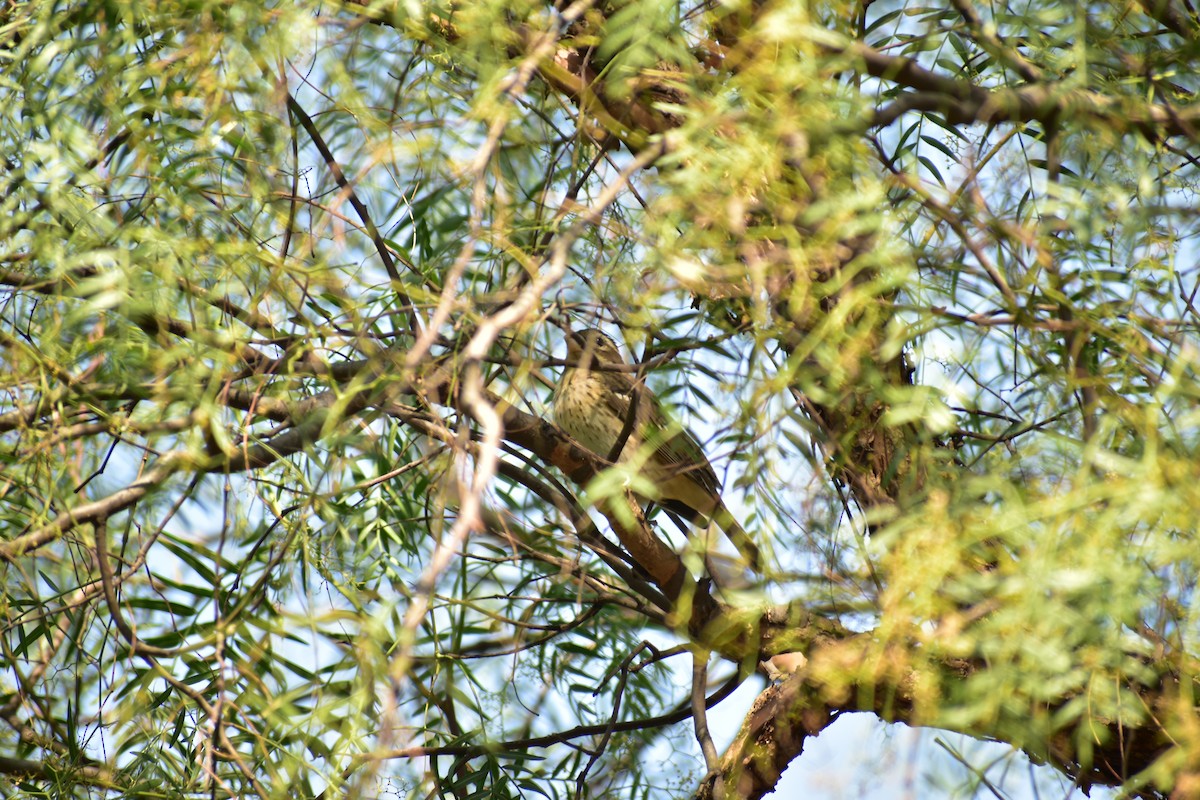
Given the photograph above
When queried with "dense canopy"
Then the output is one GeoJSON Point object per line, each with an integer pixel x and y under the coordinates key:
{"type": "Point", "coordinates": [283, 298]}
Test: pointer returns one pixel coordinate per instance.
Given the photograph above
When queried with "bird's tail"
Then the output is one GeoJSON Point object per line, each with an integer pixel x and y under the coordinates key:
{"type": "Point", "coordinates": [738, 536]}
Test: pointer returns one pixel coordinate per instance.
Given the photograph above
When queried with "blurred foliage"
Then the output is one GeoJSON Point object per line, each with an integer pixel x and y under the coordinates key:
{"type": "Point", "coordinates": [203, 330]}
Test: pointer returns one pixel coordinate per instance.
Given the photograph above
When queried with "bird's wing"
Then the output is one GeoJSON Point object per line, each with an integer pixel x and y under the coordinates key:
{"type": "Point", "coordinates": [676, 448]}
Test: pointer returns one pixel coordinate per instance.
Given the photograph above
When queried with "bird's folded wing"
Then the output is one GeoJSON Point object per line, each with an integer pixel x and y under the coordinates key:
{"type": "Point", "coordinates": [676, 449]}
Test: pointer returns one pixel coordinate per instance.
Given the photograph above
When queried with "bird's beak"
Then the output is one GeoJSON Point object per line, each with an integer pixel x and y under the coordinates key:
{"type": "Point", "coordinates": [577, 344]}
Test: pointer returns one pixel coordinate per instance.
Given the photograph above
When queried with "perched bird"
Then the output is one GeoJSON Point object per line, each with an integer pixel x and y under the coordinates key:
{"type": "Point", "coordinates": [597, 405]}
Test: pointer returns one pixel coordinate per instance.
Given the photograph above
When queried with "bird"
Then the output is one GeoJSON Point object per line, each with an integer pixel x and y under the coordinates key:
{"type": "Point", "coordinates": [598, 400]}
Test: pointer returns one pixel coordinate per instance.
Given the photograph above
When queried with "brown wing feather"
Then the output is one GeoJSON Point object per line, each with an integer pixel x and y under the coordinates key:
{"type": "Point", "coordinates": [681, 452]}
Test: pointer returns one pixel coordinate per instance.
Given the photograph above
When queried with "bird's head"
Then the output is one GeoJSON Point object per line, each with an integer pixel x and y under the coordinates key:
{"type": "Point", "coordinates": [588, 346]}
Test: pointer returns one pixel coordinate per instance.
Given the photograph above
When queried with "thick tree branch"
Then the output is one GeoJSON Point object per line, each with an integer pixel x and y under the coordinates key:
{"type": "Point", "coordinates": [810, 698]}
{"type": "Point", "coordinates": [95, 511]}
{"type": "Point", "coordinates": [1170, 16]}
{"type": "Point", "coordinates": [23, 769]}
{"type": "Point", "coordinates": [961, 102]}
